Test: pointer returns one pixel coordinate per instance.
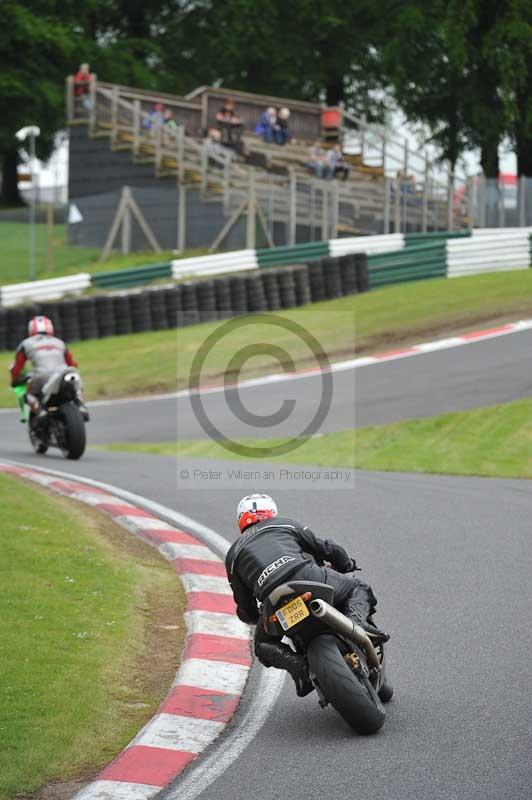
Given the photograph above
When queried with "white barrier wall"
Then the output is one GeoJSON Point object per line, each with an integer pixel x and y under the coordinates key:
{"type": "Point", "coordinates": [236, 261]}
{"type": "Point", "coordinates": [489, 250]}
{"type": "Point", "coordinates": [49, 289]}
{"type": "Point", "coordinates": [366, 244]}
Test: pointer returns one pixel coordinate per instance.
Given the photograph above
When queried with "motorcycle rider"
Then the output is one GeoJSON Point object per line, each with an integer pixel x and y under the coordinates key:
{"type": "Point", "coordinates": [49, 355]}
{"type": "Point", "coordinates": [271, 552]}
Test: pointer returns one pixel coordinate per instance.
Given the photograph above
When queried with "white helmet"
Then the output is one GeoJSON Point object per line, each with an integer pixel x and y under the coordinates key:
{"type": "Point", "coordinates": [253, 508]}
{"type": "Point", "coordinates": [40, 325]}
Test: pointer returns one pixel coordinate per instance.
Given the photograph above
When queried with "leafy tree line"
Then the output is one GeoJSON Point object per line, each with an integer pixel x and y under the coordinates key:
{"type": "Point", "coordinates": [462, 68]}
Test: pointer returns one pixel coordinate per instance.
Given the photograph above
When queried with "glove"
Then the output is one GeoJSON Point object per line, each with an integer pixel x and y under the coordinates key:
{"type": "Point", "coordinates": [351, 566]}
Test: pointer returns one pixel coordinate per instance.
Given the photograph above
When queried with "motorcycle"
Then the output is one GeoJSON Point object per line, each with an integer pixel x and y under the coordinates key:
{"type": "Point", "coordinates": [345, 666]}
{"type": "Point", "coordinates": [64, 424]}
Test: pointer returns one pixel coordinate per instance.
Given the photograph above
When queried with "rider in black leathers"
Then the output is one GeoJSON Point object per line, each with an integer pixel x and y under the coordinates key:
{"type": "Point", "coordinates": [275, 549]}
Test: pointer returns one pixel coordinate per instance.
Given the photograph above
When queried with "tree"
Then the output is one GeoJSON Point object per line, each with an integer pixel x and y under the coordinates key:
{"type": "Point", "coordinates": [313, 49]}
{"type": "Point", "coordinates": [44, 41]}
{"type": "Point", "coordinates": [35, 52]}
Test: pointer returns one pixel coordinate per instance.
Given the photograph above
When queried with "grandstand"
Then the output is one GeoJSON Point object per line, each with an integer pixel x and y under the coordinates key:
{"type": "Point", "coordinates": [264, 194]}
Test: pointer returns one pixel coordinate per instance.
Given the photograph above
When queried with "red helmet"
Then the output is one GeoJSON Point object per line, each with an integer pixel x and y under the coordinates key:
{"type": "Point", "coordinates": [40, 325]}
{"type": "Point", "coordinates": [254, 508]}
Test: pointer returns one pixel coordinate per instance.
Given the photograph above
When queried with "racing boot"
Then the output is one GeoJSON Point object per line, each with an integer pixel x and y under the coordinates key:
{"type": "Point", "coordinates": [82, 407]}
{"type": "Point", "coordinates": [273, 654]}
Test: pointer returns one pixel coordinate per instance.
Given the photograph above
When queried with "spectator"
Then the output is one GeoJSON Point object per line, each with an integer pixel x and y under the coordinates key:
{"type": "Point", "coordinates": [169, 122]}
{"type": "Point", "coordinates": [282, 134]}
{"type": "Point", "coordinates": [266, 126]}
{"type": "Point", "coordinates": [317, 162]}
{"type": "Point", "coordinates": [230, 125]}
{"type": "Point", "coordinates": [214, 147]}
{"type": "Point", "coordinates": [154, 119]}
{"type": "Point", "coordinates": [170, 127]}
{"type": "Point", "coordinates": [337, 163]}
{"type": "Point", "coordinates": [82, 86]}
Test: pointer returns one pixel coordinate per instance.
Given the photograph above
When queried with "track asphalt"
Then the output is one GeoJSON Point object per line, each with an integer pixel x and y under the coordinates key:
{"type": "Point", "coordinates": [450, 561]}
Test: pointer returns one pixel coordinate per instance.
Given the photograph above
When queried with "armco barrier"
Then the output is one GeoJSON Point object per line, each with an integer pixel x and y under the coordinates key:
{"type": "Point", "coordinates": [293, 254]}
{"type": "Point", "coordinates": [414, 263]}
{"type": "Point", "coordinates": [237, 261]}
{"type": "Point", "coordinates": [366, 244]}
{"type": "Point", "coordinates": [49, 289]}
{"type": "Point", "coordinates": [191, 302]}
{"type": "Point", "coordinates": [136, 276]}
{"type": "Point", "coordinates": [489, 250]}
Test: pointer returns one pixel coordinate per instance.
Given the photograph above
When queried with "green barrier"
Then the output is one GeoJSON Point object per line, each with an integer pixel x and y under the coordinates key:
{"type": "Point", "coordinates": [135, 276]}
{"type": "Point", "coordinates": [413, 238]}
{"type": "Point", "coordinates": [422, 260]}
{"type": "Point", "coordinates": [293, 254]}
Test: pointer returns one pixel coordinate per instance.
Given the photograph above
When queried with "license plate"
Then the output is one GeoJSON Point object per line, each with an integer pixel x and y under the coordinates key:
{"type": "Point", "coordinates": [293, 612]}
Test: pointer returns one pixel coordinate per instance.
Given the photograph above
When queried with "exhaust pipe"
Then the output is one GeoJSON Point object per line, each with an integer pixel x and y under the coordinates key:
{"type": "Point", "coordinates": [346, 627]}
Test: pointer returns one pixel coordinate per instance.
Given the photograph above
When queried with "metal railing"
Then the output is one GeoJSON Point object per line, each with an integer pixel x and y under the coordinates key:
{"type": "Point", "coordinates": [371, 202]}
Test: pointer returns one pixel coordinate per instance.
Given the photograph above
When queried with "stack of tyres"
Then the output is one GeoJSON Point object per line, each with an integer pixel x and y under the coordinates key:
{"type": "Point", "coordinates": [331, 277]}
{"type": "Point", "coordinates": [122, 312]}
{"type": "Point", "coordinates": [88, 326]}
{"type": "Point", "coordinates": [315, 277]}
{"type": "Point", "coordinates": [140, 312]}
{"type": "Point", "coordinates": [17, 327]}
{"type": "Point", "coordinates": [173, 306]}
{"type": "Point", "coordinates": [256, 299]}
{"type": "Point", "coordinates": [222, 296]}
{"type": "Point", "coordinates": [362, 273]}
{"type": "Point", "coordinates": [68, 315]}
{"type": "Point", "coordinates": [270, 282]}
{"type": "Point", "coordinates": [3, 329]}
{"type": "Point", "coordinates": [301, 284]}
{"type": "Point", "coordinates": [348, 274]}
{"type": "Point", "coordinates": [50, 309]}
{"type": "Point", "coordinates": [105, 315]}
{"type": "Point", "coordinates": [287, 288]}
{"type": "Point", "coordinates": [190, 303]}
{"type": "Point", "coordinates": [239, 301]}
{"type": "Point", "coordinates": [206, 301]}
{"type": "Point", "coordinates": [159, 321]}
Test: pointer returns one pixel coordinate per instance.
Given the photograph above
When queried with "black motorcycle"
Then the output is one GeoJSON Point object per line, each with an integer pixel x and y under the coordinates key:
{"type": "Point", "coordinates": [345, 666]}
{"type": "Point", "coordinates": [63, 426]}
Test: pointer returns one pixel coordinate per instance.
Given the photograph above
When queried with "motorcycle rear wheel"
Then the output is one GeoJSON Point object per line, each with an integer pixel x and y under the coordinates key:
{"type": "Point", "coordinates": [353, 697]}
{"type": "Point", "coordinates": [74, 430]}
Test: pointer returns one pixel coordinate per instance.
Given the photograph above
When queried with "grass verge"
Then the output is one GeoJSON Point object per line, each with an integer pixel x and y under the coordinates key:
{"type": "Point", "coordinates": [161, 360]}
{"type": "Point", "coordinates": [494, 441]}
{"type": "Point", "coordinates": [82, 606]}
{"type": "Point", "coordinates": [66, 259]}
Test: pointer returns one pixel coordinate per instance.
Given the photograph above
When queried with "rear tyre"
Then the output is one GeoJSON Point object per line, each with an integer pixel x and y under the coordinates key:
{"type": "Point", "coordinates": [73, 445]}
{"type": "Point", "coordinates": [354, 698]}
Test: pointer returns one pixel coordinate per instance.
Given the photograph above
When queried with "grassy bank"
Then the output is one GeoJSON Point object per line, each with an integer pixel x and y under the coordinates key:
{"type": "Point", "coordinates": [494, 441]}
{"type": "Point", "coordinates": [66, 259]}
{"type": "Point", "coordinates": [385, 318]}
{"type": "Point", "coordinates": [82, 605]}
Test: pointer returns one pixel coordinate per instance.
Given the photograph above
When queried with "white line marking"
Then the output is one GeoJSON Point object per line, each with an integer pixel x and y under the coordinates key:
{"type": "Point", "coordinates": [201, 774]}
{"type": "Point", "coordinates": [259, 706]}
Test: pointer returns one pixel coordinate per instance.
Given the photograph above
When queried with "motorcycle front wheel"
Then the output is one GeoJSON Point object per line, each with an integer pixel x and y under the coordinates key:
{"type": "Point", "coordinates": [73, 439]}
{"type": "Point", "coordinates": [353, 696]}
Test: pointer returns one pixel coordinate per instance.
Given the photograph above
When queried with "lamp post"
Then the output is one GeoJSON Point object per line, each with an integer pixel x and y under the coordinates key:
{"type": "Point", "coordinates": [32, 131]}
